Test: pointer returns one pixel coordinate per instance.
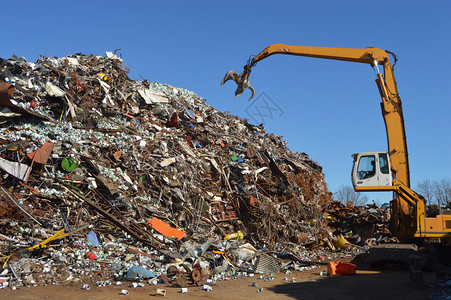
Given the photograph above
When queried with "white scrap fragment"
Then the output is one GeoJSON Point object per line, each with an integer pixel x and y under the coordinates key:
{"type": "Point", "coordinates": [199, 119]}
{"type": "Point", "coordinates": [106, 87]}
{"type": "Point", "coordinates": [92, 182]}
{"type": "Point", "coordinates": [207, 288]}
{"type": "Point", "coordinates": [215, 164]}
{"type": "Point", "coordinates": [72, 60]}
{"type": "Point", "coordinates": [53, 90]}
{"type": "Point", "coordinates": [168, 161]}
{"type": "Point", "coordinates": [187, 149]}
{"type": "Point", "coordinates": [127, 178]}
{"type": "Point", "coordinates": [152, 97]}
{"type": "Point", "coordinates": [6, 112]}
{"type": "Point", "coordinates": [18, 170]}
{"type": "Point", "coordinates": [259, 171]}
{"type": "Point", "coordinates": [156, 127]}
{"type": "Point", "coordinates": [111, 55]}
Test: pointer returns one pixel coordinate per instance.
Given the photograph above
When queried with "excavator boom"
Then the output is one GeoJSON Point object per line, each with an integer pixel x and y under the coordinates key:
{"type": "Point", "coordinates": [391, 103]}
{"type": "Point", "coordinates": [366, 55]}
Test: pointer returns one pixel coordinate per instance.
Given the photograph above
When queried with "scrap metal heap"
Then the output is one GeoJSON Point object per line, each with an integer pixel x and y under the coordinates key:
{"type": "Point", "coordinates": [138, 173]}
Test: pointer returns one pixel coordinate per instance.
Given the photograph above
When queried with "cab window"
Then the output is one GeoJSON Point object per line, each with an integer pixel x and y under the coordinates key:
{"type": "Point", "coordinates": [366, 168]}
{"type": "Point", "coordinates": [383, 162]}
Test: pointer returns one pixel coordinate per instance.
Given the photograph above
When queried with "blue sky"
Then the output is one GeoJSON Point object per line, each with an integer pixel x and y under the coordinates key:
{"type": "Point", "coordinates": [330, 109]}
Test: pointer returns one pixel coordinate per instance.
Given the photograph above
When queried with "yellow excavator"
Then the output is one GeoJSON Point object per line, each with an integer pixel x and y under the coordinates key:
{"type": "Point", "coordinates": [373, 171]}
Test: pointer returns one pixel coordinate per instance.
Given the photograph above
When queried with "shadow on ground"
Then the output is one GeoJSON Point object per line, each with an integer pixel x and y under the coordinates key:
{"type": "Point", "coordinates": [366, 284]}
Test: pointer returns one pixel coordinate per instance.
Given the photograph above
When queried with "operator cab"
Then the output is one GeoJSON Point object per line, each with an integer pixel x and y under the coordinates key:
{"type": "Point", "coordinates": [371, 169]}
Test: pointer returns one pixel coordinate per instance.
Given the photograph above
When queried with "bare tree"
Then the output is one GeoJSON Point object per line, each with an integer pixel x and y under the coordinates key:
{"type": "Point", "coordinates": [346, 193]}
{"type": "Point", "coordinates": [426, 189]}
{"type": "Point", "coordinates": [442, 192]}
{"type": "Point", "coordinates": [438, 192]}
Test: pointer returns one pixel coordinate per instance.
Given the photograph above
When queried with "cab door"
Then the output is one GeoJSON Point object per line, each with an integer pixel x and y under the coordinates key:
{"type": "Point", "coordinates": [371, 169]}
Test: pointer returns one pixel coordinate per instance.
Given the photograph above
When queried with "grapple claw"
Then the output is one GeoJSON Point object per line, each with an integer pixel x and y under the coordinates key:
{"type": "Point", "coordinates": [230, 75]}
{"type": "Point", "coordinates": [253, 92]}
{"type": "Point", "coordinates": [241, 80]}
{"type": "Point", "coordinates": [244, 84]}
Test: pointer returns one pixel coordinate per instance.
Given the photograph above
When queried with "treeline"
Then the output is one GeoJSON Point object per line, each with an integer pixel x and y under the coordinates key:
{"type": "Point", "coordinates": [436, 192]}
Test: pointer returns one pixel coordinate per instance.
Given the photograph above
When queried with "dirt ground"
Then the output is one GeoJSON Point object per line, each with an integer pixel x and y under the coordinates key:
{"type": "Point", "coordinates": [366, 284]}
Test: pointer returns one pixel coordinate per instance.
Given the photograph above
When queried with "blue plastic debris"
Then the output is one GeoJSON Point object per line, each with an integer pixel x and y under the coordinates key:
{"type": "Point", "coordinates": [134, 272]}
{"type": "Point", "coordinates": [189, 113]}
{"type": "Point", "coordinates": [92, 238]}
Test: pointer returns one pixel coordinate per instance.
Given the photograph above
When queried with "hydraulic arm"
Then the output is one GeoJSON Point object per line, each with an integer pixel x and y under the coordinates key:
{"type": "Point", "coordinates": [408, 208]}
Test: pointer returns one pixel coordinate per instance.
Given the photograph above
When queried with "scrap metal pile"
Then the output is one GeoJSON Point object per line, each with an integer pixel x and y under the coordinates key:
{"type": "Point", "coordinates": [101, 173]}
{"type": "Point", "coordinates": [358, 225]}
